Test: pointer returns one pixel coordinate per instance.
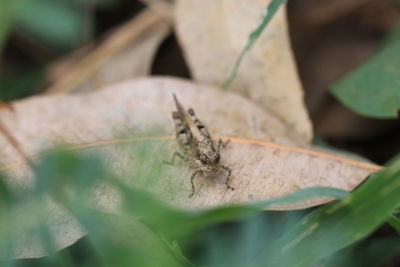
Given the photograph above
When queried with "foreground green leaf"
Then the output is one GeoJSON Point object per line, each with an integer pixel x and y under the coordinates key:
{"type": "Point", "coordinates": [86, 172]}
{"type": "Point", "coordinates": [369, 253]}
{"type": "Point", "coordinates": [67, 178]}
{"type": "Point", "coordinates": [175, 223]}
{"type": "Point", "coordinates": [144, 225]}
{"type": "Point", "coordinates": [343, 223]}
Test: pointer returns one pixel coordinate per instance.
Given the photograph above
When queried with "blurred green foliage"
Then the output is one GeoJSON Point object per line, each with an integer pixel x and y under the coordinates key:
{"type": "Point", "coordinates": [397, 2]}
{"type": "Point", "coordinates": [347, 221]}
{"type": "Point", "coordinates": [54, 26]}
{"type": "Point", "coordinates": [21, 84]}
{"type": "Point", "coordinates": [147, 232]}
{"type": "Point", "coordinates": [373, 89]}
{"type": "Point", "coordinates": [5, 18]}
{"type": "Point", "coordinates": [367, 253]}
{"type": "Point", "coordinates": [59, 24]}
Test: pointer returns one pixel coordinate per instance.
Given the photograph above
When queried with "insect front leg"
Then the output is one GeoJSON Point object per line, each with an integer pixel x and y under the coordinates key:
{"type": "Point", "coordinates": [191, 181]}
{"type": "Point", "coordinates": [222, 143]}
{"type": "Point", "coordinates": [227, 177]}
{"type": "Point", "coordinates": [176, 154]}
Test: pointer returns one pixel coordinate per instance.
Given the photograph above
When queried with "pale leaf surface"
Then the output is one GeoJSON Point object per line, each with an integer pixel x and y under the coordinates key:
{"type": "Point", "coordinates": [266, 159]}
{"type": "Point", "coordinates": [212, 34]}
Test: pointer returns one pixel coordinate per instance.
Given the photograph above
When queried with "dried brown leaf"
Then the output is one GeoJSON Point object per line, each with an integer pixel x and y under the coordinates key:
{"type": "Point", "coordinates": [213, 32]}
{"type": "Point", "coordinates": [266, 158]}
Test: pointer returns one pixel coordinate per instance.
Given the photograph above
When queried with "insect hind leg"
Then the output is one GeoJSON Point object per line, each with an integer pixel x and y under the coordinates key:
{"type": "Point", "coordinates": [191, 181]}
{"type": "Point", "coordinates": [229, 171]}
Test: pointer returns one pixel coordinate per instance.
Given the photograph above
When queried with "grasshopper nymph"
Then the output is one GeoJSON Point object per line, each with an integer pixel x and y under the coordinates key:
{"type": "Point", "coordinates": [197, 147]}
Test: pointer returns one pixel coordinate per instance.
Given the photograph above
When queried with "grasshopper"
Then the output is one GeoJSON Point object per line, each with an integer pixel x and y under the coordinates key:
{"type": "Point", "coordinates": [197, 147]}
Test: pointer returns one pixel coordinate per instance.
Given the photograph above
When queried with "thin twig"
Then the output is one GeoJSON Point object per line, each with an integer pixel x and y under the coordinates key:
{"type": "Point", "coordinates": [325, 12]}
{"type": "Point", "coordinates": [115, 43]}
{"type": "Point", "coordinates": [161, 6]}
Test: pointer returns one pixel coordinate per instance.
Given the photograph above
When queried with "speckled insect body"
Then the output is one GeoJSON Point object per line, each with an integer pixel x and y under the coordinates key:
{"type": "Point", "coordinates": [198, 149]}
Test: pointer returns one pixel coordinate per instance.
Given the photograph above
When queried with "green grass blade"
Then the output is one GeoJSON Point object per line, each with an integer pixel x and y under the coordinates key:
{"type": "Point", "coordinates": [84, 173]}
{"type": "Point", "coordinates": [268, 15]}
{"type": "Point", "coordinates": [394, 222]}
{"type": "Point", "coordinates": [175, 223]}
{"type": "Point", "coordinates": [338, 225]}
{"type": "Point", "coordinates": [221, 214]}
{"type": "Point", "coordinates": [69, 179]}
